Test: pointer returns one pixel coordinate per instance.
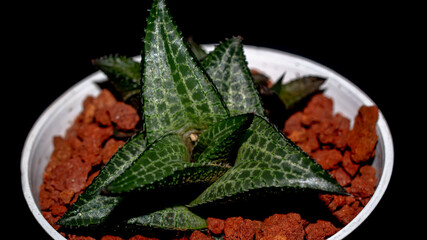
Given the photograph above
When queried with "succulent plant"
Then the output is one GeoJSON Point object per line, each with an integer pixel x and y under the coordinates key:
{"type": "Point", "coordinates": [204, 128]}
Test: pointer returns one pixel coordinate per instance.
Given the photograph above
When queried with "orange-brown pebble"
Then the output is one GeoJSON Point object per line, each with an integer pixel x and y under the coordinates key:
{"type": "Point", "coordinates": [197, 235]}
{"type": "Point", "coordinates": [362, 139]}
{"type": "Point", "coordinates": [239, 228]}
{"type": "Point", "coordinates": [283, 225]}
{"type": "Point", "coordinates": [139, 237]}
{"type": "Point", "coordinates": [215, 225]}
{"type": "Point", "coordinates": [320, 230]}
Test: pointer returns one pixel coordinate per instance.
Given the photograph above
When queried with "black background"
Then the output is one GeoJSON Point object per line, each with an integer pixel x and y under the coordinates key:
{"type": "Point", "coordinates": [50, 47]}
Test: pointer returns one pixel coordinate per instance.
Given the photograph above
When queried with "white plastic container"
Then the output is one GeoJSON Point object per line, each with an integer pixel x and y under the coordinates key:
{"type": "Point", "coordinates": [61, 113]}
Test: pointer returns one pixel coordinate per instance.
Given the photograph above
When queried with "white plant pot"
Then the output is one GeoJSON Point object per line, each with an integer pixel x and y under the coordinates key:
{"type": "Point", "coordinates": [347, 97]}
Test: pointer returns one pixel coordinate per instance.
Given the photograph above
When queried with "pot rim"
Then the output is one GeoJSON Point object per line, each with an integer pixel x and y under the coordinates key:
{"type": "Point", "coordinates": [99, 76]}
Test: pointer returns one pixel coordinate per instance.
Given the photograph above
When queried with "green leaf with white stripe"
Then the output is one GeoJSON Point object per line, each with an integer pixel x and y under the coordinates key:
{"type": "Point", "coordinates": [124, 74]}
{"type": "Point", "coordinates": [177, 95]}
{"type": "Point", "coordinates": [268, 160]}
{"type": "Point", "coordinates": [177, 218]}
{"type": "Point", "coordinates": [166, 163]}
{"type": "Point", "coordinates": [227, 67]}
{"type": "Point", "coordinates": [95, 211]}
{"type": "Point", "coordinates": [218, 143]}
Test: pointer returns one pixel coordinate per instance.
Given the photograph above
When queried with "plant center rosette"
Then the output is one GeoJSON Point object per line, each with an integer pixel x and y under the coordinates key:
{"type": "Point", "coordinates": [208, 139]}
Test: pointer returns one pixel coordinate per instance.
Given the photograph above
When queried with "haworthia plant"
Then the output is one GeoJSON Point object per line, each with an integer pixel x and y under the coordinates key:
{"type": "Point", "coordinates": [204, 127]}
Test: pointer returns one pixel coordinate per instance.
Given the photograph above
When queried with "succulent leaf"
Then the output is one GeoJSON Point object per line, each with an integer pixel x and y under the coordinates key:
{"type": "Point", "coordinates": [267, 159]}
{"type": "Point", "coordinates": [299, 88]}
{"type": "Point", "coordinates": [165, 163]}
{"type": "Point", "coordinates": [217, 143]}
{"type": "Point", "coordinates": [227, 67]}
{"type": "Point", "coordinates": [124, 74]}
{"type": "Point", "coordinates": [177, 95]}
{"type": "Point", "coordinates": [178, 218]}
{"type": "Point", "coordinates": [94, 211]}
{"type": "Point", "coordinates": [118, 163]}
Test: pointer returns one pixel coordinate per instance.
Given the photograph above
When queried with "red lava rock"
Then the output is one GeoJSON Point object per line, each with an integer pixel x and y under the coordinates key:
{"type": "Point", "coordinates": [319, 107]}
{"type": "Point", "coordinates": [341, 176]}
{"type": "Point", "coordinates": [239, 228]}
{"type": "Point", "coordinates": [328, 158]}
{"type": "Point", "coordinates": [87, 143]}
{"type": "Point", "coordinates": [346, 214]}
{"type": "Point", "coordinates": [283, 225]}
{"type": "Point", "coordinates": [363, 185]}
{"type": "Point", "coordinates": [215, 225]}
{"type": "Point", "coordinates": [102, 117]}
{"type": "Point", "coordinates": [197, 235]}
{"type": "Point", "coordinates": [338, 201]}
{"type": "Point", "coordinates": [104, 100]}
{"type": "Point", "coordinates": [62, 150]}
{"type": "Point", "coordinates": [66, 196]}
{"type": "Point", "coordinates": [124, 116]}
{"type": "Point", "coordinates": [74, 237]}
{"type": "Point", "coordinates": [320, 230]}
{"type": "Point", "coordinates": [111, 147]}
{"type": "Point", "coordinates": [94, 133]}
{"type": "Point", "coordinates": [335, 131]}
{"type": "Point", "coordinates": [293, 123]}
{"type": "Point", "coordinates": [299, 135]}
{"type": "Point", "coordinates": [362, 139]}
{"type": "Point", "coordinates": [58, 210]}
{"type": "Point", "coordinates": [70, 175]}
{"type": "Point", "coordinates": [109, 237]}
{"type": "Point", "coordinates": [139, 237]}
{"type": "Point", "coordinates": [348, 165]}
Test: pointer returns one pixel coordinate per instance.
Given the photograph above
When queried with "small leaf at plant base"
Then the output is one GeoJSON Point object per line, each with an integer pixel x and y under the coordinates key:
{"type": "Point", "coordinates": [124, 74]}
{"type": "Point", "coordinates": [178, 218]}
{"type": "Point", "coordinates": [277, 87]}
{"type": "Point", "coordinates": [227, 67]}
{"type": "Point", "coordinates": [165, 164]}
{"type": "Point", "coordinates": [118, 163]}
{"type": "Point", "coordinates": [267, 159]}
{"type": "Point", "coordinates": [297, 89]}
{"type": "Point", "coordinates": [177, 95]}
{"type": "Point", "coordinates": [197, 50]}
{"type": "Point", "coordinates": [217, 143]}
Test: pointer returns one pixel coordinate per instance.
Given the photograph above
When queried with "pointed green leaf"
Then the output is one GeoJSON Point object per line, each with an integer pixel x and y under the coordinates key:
{"type": "Point", "coordinates": [177, 218]}
{"type": "Point", "coordinates": [297, 89]}
{"type": "Point", "coordinates": [216, 144]}
{"type": "Point", "coordinates": [277, 87]}
{"type": "Point", "coordinates": [196, 49]}
{"type": "Point", "coordinates": [177, 95]}
{"type": "Point", "coordinates": [95, 211]}
{"type": "Point", "coordinates": [118, 163]}
{"type": "Point", "coordinates": [124, 74]}
{"type": "Point", "coordinates": [160, 160]}
{"type": "Point", "coordinates": [165, 163]}
{"type": "Point", "coordinates": [267, 159]}
{"type": "Point", "coordinates": [227, 67]}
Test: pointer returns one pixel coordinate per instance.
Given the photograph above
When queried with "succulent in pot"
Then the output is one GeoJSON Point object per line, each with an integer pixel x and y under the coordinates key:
{"type": "Point", "coordinates": [205, 132]}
